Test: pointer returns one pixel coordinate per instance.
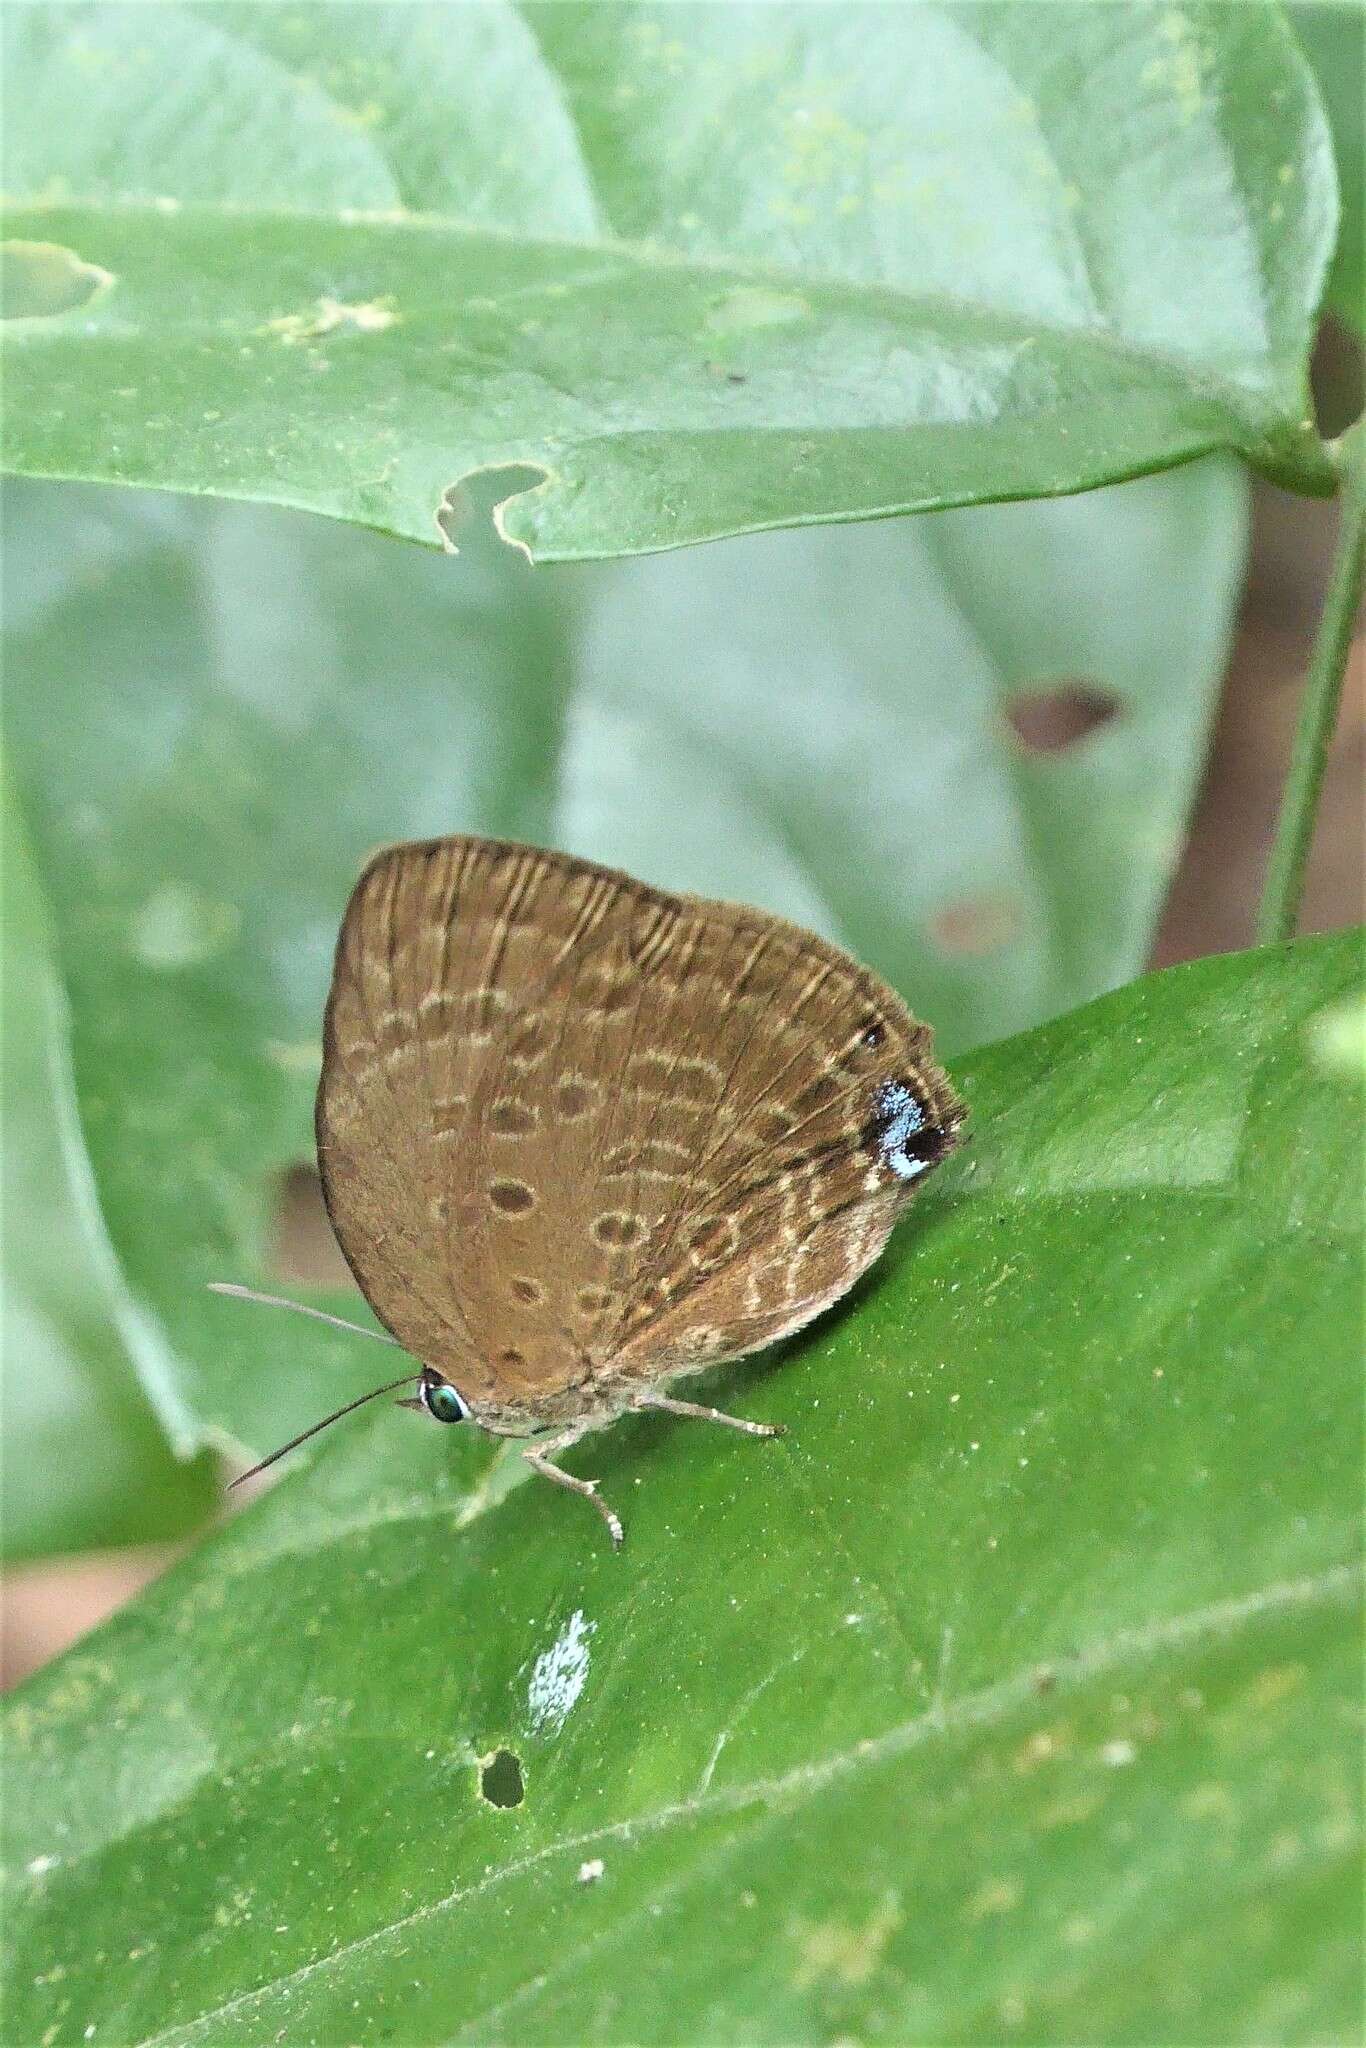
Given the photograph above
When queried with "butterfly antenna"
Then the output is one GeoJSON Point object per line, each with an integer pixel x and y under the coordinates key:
{"type": "Point", "coordinates": [300, 1308]}
{"type": "Point", "coordinates": [326, 1423]}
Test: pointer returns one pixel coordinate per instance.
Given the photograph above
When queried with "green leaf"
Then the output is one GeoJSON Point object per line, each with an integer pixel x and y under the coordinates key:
{"type": "Point", "coordinates": [1011, 1695]}
{"type": "Point", "coordinates": [707, 269]}
{"type": "Point", "coordinates": [85, 1462]}
{"type": "Point", "coordinates": [1334, 36]}
{"type": "Point", "coordinates": [811, 721]}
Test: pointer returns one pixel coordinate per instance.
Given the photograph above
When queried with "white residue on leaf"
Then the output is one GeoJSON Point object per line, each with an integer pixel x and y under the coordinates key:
{"type": "Point", "coordinates": [559, 1673]}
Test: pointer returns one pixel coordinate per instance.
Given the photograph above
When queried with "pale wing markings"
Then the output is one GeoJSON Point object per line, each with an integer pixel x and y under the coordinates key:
{"type": "Point", "coordinates": [660, 1254]}
{"type": "Point", "coordinates": [813, 987]}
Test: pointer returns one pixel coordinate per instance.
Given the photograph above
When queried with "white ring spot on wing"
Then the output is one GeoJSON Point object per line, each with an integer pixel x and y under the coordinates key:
{"type": "Point", "coordinates": [900, 1117]}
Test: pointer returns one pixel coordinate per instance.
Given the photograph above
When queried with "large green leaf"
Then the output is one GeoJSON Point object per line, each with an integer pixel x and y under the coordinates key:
{"type": "Point", "coordinates": [1011, 1696]}
{"type": "Point", "coordinates": [216, 712]}
{"type": "Point", "coordinates": [709, 269]}
{"type": "Point", "coordinates": [85, 1462]}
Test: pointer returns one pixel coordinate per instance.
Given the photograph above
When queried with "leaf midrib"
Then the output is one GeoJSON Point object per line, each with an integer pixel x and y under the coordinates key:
{"type": "Point", "coordinates": [1189, 373]}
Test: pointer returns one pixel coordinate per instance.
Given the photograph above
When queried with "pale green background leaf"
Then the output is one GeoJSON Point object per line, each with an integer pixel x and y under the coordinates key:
{"type": "Point", "coordinates": [85, 1462]}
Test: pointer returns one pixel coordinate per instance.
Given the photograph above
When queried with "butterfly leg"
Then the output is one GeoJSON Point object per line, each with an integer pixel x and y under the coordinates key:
{"type": "Point", "coordinates": [701, 1413]}
{"type": "Point", "coordinates": [539, 1457]}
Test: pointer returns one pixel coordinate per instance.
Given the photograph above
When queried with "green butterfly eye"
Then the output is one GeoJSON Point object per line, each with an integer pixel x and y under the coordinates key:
{"type": "Point", "coordinates": [443, 1402]}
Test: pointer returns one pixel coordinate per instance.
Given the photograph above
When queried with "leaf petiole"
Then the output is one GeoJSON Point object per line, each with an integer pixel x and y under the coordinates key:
{"type": "Point", "coordinates": [1284, 885]}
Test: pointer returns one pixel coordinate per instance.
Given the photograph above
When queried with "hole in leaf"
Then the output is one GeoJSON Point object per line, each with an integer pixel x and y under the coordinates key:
{"type": "Point", "coordinates": [500, 1779]}
{"type": "Point", "coordinates": [40, 279]}
{"type": "Point", "coordinates": [483, 496]}
{"type": "Point", "coordinates": [976, 924]}
{"type": "Point", "coordinates": [1049, 720]}
{"type": "Point", "coordinates": [303, 1250]}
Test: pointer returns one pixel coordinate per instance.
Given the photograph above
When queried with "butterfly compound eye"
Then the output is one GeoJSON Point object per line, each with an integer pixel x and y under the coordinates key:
{"type": "Point", "coordinates": [442, 1402]}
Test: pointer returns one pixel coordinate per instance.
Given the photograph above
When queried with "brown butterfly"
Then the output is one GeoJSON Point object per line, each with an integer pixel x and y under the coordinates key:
{"type": "Point", "coordinates": [578, 1137]}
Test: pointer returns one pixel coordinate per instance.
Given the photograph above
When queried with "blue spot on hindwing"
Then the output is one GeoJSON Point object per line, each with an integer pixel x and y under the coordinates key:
{"type": "Point", "coordinates": [898, 1118]}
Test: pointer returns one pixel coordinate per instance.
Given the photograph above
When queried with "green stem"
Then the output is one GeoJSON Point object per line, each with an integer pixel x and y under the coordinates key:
{"type": "Point", "coordinates": [1279, 908]}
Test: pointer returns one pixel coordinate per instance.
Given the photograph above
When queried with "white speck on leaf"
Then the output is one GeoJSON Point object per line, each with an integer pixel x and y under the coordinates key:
{"type": "Point", "coordinates": [1117, 1753]}
{"type": "Point", "coordinates": [559, 1673]}
{"type": "Point", "coordinates": [592, 1870]}
{"type": "Point", "coordinates": [333, 316]}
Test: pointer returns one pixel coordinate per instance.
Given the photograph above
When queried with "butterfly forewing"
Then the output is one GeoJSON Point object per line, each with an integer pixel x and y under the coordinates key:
{"type": "Point", "coordinates": [409, 1030]}
{"type": "Point", "coordinates": [576, 1133]}
{"type": "Point", "coordinates": [460, 1101]}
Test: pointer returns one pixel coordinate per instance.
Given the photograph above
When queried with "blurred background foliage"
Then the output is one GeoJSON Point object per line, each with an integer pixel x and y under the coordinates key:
{"type": "Point", "coordinates": [1008, 753]}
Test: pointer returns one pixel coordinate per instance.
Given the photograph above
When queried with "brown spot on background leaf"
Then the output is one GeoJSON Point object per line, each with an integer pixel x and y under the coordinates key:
{"type": "Point", "coordinates": [1054, 717]}
{"type": "Point", "coordinates": [975, 924]}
